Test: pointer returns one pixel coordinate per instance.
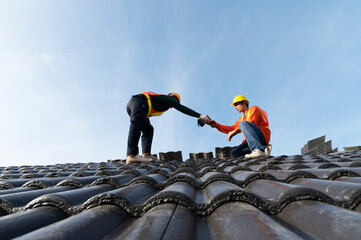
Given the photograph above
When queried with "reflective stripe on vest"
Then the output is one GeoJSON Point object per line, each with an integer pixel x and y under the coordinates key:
{"type": "Point", "coordinates": [151, 111]}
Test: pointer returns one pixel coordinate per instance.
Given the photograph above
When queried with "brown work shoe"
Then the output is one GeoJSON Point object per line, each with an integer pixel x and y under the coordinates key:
{"type": "Point", "coordinates": [137, 159]}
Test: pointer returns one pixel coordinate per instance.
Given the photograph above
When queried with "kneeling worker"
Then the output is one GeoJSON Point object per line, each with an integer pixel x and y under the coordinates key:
{"type": "Point", "coordinates": [140, 108]}
{"type": "Point", "coordinates": [254, 126]}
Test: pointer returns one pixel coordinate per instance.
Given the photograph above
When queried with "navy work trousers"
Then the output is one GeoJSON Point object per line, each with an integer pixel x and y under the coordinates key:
{"type": "Point", "coordinates": [137, 109]}
{"type": "Point", "coordinates": [254, 140]}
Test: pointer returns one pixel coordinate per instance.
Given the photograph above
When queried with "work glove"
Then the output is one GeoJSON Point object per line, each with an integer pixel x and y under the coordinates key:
{"type": "Point", "coordinates": [203, 119]}
{"type": "Point", "coordinates": [212, 123]}
{"type": "Point", "coordinates": [231, 135]}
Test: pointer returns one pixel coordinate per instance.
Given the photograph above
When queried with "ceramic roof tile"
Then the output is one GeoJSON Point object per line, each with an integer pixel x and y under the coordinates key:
{"type": "Point", "coordinates": [349, 179]}
{"type": "Point", "coordinates": [346, 193]}
{"type": "Point", "coordinates": [245, 221]}
{"type": "Point", "coordinates": [157, 223]}
{"type": "Point", "coordinates": [91, 224]}
{"type": "Point", "coordinates": [18, 224]}
{"type": "Point", "coordinates": [322, 221]}
{"type": "Point", "coordinates": [69, 201]}
{"type": "Point", "coordinates": [12, 202]}
{"type": "Point", "coordinates": [128, 197]}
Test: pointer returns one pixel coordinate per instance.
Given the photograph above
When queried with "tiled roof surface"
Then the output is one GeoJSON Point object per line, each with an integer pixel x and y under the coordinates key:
{"type": "Point", "coordinates": [284, 197]}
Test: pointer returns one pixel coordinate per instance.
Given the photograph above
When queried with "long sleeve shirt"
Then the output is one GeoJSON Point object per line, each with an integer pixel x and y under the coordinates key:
{"type": "Point", "coordinates": [255, 115]}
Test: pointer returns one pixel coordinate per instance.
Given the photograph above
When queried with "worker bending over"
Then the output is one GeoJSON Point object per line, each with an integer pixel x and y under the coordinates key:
{"type": "Point", "coordinates": [254, 126]}
{"type": "Point", "coordinates": [140, 108]}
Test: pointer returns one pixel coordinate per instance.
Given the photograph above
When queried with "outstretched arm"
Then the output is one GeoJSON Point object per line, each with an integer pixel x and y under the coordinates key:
{"type": "Point", "coordinates": [230, 130]}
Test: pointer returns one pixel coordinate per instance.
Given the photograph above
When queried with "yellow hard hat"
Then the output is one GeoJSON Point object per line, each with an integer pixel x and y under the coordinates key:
{"type": "Point", "coordinates": [239, 98]}
{"type": "Point", "coordinates": [176, 95]}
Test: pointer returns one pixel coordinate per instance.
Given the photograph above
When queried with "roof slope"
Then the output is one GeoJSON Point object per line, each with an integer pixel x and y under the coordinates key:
{"type": "Point", "coordinates": [284, 197]}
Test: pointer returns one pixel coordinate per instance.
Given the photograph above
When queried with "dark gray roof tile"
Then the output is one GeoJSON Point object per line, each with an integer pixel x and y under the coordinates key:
{"type": "Point", "coordinates": [6, 175]}
{"type": "Point", "coordinates": [349, 179]}
{"type": "Point", "coordinates": [348, 194]}
{"type": "Point", "coordinates": [238, 169]}
{"type": "Point", "coordinates": [322, 221]}
{"type": "Point", "coordinates": [185, 170]}
{"type": "Point", "coordinates": [77, 181]}
{"type": "Point", "coordinates": [243, 178]}
{"type": "Point", "coordinates": [164, 171]}
{"type": "Point", "coordinates": [16, 190]}
{"type": "Point", "coordinates": [331, 173]}
{"type": "Point", "coordinates": [157, 223]}
{"type": "Point", "coordinates": [43, 182]}
{"type": "Point", "coordinates": [11, 202]}
{"type": "Point", "coordinates": [152, 179]}
{"type": "Point", "coordinates": [178, 192]}
{"type": "Point", "coordinates": [69, 201]}
{"type": "Point", "coordinates": [218, 193]}
{"type": "Point", "coordinates": [91, 224]}
{"type": "Point", "coordinates": [284, 193]}
{"type": "Point", "coordinates": [18, 224]}
{"type": "Point", "coordinates": [127, 198]}
{"type": "Point", "coordinates": [243, 220]}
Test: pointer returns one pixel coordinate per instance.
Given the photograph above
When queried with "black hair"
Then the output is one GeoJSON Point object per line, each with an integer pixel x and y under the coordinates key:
{"type": "Point", "coordinates": [247, 104]}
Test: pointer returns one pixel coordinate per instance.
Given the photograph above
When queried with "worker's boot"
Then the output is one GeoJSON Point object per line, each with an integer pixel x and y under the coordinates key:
{"type": "Point", "coordinates": [150, 156]}
{"type": "Point", "coordinates": [255, 154]}
{"type": "Point", "coordinates": [268, 149]}
{"type": "Point", "coordinates": [137, 159]}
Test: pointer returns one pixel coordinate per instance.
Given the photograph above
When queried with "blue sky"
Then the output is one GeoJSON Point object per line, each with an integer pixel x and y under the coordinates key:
{"type": "Point", "coordinates": [68, 69]}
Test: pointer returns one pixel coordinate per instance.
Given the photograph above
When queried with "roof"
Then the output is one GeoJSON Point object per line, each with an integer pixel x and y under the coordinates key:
{"type": "Point", "coordinates": [283, 197]}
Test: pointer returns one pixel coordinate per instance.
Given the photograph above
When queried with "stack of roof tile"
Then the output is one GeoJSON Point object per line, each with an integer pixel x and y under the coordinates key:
{"type": "Point", "coordinates": [169, 156]}
{"type": "Point", "coordinates": [202, 155]}
{"type": "Point", "coordinates": [353, 148]}
{"type": "Point", "coordinates": [284, 197]}
{"type": "Point", "coordinates": [318, 146]}
{"type": "Point", "coordinates": [224, 153]}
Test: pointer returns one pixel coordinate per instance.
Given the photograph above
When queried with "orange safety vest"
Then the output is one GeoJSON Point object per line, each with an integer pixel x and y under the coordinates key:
{"type": "Point", "coordinates": [151, 111]}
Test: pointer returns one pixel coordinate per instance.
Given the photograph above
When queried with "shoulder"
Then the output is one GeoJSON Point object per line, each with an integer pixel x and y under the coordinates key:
{"type": "Point", "coordinates": [160, 96]}
{"type": "Point", "coordinates": [254, 109]}
{"type": "Point", "coordinates": [167, 99]}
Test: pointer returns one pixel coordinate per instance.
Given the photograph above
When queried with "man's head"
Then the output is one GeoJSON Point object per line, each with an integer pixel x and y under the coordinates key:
{"type": "Point", "coordinates": [241, 103]}
{"type": "Point", "coordinates": [175, 96]}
